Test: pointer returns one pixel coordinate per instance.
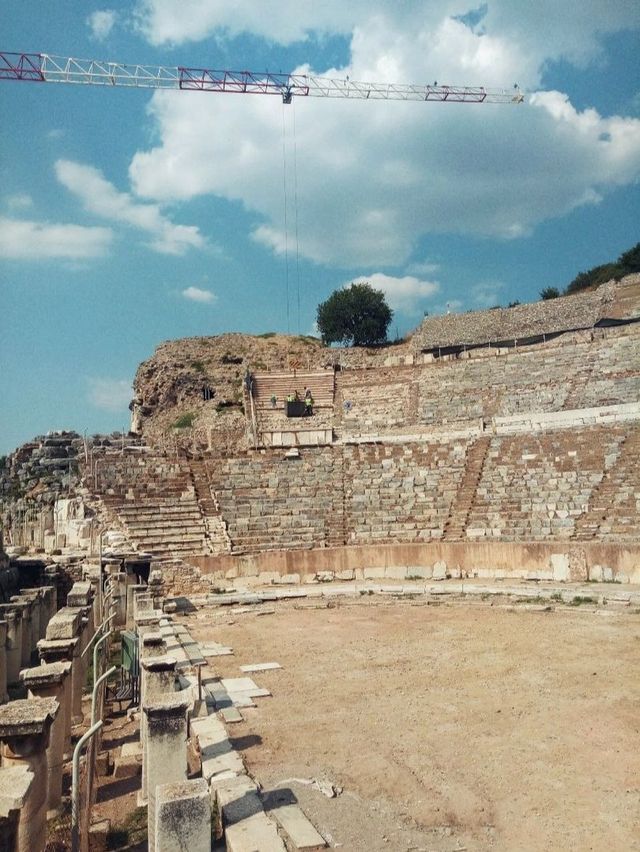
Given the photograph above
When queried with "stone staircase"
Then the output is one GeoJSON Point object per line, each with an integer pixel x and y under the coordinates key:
{"type": "Point", "coordinates": [337, 531]}
{"type": "Point", "coordinates": [280, 385]}
{"type": "Point", "coordinates": [614, 507]}
{"type": "Point", "coordinates": [216, 529]}
{"type": "Point", "coordinates": [153, 500]}
{"type": "Point", "coordinates": [456, 523]}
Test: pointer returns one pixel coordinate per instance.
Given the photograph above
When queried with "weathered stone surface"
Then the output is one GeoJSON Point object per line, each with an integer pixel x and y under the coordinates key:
{"type": "Point", "coordinates": [26, 716]}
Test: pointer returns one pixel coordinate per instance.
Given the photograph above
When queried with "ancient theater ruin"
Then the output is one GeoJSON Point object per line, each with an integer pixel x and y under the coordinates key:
{"type": "Point", "coordinates": [373, 599]}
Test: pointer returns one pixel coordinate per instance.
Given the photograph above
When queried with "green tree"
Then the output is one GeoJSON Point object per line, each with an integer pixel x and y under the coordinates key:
{"type": "Point", "coordinates": [626, 264]}
{"type": "Point", "coordinates": [357, 315]}
{"type": "Point", "coordinates": [549, 293]}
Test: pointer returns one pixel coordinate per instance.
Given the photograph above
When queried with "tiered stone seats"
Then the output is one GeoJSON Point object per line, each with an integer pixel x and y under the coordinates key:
{"type": "Point", "coordinates": [614, 508]}
{"type": "Point", "coordinates": [270, 502]}
{"type": "Point", "coordinates": [400, 492]}
{"type": "Point", "coordinates": [155, 501]}
{"type": "Point", "coordinates": [535, 487]}
{"type": "Point", "coordinates": [280, 385]}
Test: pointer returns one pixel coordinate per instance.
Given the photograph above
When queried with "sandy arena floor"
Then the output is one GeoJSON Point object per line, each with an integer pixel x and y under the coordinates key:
{"type": "Point", "coordinates": [459, 726]}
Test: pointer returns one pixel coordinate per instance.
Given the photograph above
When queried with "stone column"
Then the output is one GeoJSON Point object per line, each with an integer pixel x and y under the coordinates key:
{"type": "Point", "coordinates": [50, 607]}
{"type": "Point", "coordinates": [63, 627]}
{"type": "Point", "coordinates": [166, 748]}
{"type": "Point", "coordinates": [34, 596]}
{"type": "Point", "coordinates": [23, 605]}
{"type": "Point", "coordinates": [49, 681]}
{"type": "Point", "coordinates": [4, 696]}
{"type": "Point", "coordinates": [66, 650]}
{"type": "Point", "coordinates": [157, 678]}
{"type": "Point", "coordinates": [131, 593]}
{"type": "Point", "coordinates": [24, 734]}
{"type": "Point", "coordinates": [183, 817]}
{"type": "Point", "coordinates": [13, 617]}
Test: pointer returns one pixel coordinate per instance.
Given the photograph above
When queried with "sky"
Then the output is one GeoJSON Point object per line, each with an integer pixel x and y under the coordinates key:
{"type": "Point", "coordinates": [130, 217]}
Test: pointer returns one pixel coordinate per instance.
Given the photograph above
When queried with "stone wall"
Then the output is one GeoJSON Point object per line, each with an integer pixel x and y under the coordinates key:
{"type": "Point", "coordinates": [585, 370]}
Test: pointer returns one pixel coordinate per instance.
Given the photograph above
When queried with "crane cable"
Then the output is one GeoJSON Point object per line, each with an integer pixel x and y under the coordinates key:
{"type": "Point", "coordinates": [295, 201]}
{"type": "Point", "coordinates": [286, 238]}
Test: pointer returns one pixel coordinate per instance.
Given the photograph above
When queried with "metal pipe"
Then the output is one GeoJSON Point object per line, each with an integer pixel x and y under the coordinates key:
{"type": "Point", "coordinates": [95, 653]}
{"type": "Point", "coordinates": [75, 790]}
{"type": "Point", "coordinates": [95, 691]}
{"type": "Point", "coordinates": [88, 645]}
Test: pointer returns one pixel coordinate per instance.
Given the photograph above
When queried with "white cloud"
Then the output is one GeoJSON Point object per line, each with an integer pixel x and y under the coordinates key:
{"type": "Point", "coordinates": [406, 294]}
{"type": "Point", "coordinates": [486, 294]}
{"type": "Point", "coordinates": [374, 177]}
{"type": "Point", "coordinates": [22, 239]}
{"type": "Point", "coordinates": [19, 201]}
{"type": "Point", "coordinates": [100, 197]}
{"type": "Point", "coordinates": [101, 23]}
{"type": "Point", "coordinates": [110, 394]}
{"type": "Point", "coordinates": [195, 294]}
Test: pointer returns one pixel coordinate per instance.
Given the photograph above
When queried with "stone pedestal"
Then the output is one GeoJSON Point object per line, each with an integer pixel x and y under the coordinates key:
{"type": "Point", "coordinates": [49, 681]}
{"type": "Point", "coordinates": [13, 617]}
{"type": "Point", "coordinates": [157, 678]}
{"type": "Point", "coordinates": [3, 662]}
{"type": "Point", "coordinates": [24, 734]}
{"type": "Point", "coordinates": [166, 749]}
{"type": "Point", "coordinates": [66, 650]}
{"type": "Point", "coordinates": [15, 783]}
{"type": "Point", "coordinates": [183, 817]}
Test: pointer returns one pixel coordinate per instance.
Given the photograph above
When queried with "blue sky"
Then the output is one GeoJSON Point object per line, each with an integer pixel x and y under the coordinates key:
{"type": "Point", "coordinates": [132, 217]}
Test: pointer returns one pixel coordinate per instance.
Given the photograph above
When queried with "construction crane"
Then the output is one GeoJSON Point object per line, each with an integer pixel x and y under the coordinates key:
{"type": "Point", "coordinates": [43, 68]}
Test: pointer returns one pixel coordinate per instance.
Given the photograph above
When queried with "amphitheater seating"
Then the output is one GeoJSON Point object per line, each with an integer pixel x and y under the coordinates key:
{"type": "Point", "coordinates": [534, 488]}
{"type": "Point", "coordinates": [280, 385]}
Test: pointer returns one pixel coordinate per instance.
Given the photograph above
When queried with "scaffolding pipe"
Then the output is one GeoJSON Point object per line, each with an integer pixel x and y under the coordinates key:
{"type": "Point", "coordinates": [94, 694]}
{"type": "Point", "coordinates": [75, 786]}
{"type": "Point", "coordinates": [95, 653]}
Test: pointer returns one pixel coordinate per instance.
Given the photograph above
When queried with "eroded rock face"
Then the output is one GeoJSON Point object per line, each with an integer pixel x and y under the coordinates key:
{"type": "Point", "coordinates": [197, 382]}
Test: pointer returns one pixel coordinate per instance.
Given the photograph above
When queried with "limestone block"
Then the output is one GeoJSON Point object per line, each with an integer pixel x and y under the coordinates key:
{"type": "Point", "coordinates": [183, 817]}
{"type": "Point", "coordinates": [440, 571]}
{"type": "Point", "coordinates": [395, 572]}
{"type": "Point", "coordinates": [373, 573]}
{"type": "Point", "coordinates": [419, 572]}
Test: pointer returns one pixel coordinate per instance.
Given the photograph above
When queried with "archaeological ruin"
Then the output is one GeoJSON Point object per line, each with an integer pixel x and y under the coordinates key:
{"type": "Point", "coordinates": [405, 616]}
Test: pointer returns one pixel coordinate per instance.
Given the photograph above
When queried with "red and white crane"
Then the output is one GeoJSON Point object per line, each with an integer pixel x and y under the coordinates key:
{"type": "Point", "coordinates": [44, 68]}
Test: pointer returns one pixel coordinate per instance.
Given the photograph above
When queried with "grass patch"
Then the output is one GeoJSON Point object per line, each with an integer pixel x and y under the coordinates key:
{"type": "Point", "coordinates": [198, 366]}
{"type": "Point", "coordinates": [556, 596]}
{"type": "Point", "coordinates": [266, 335]}
{"type": "Point", "coordinates": [582, 599]}
{"type": "Point", "coordinates": [131, 832]}
{"type": "Point", "coordinates": [185, 421]}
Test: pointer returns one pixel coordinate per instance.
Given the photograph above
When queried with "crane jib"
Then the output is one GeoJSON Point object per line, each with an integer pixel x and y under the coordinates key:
{"type": "Point", "coordinates": [45, 68]}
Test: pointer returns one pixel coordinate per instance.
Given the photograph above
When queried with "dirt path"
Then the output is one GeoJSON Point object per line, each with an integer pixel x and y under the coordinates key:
{"type": "Point", "coordinates": [449, 727]}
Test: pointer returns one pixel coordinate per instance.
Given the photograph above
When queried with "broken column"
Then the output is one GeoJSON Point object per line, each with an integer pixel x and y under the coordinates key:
{"type": "Point", "coordinates": [183, 817]}
{"type": "Point", "coordinates": [13, 616]}
{"type": "Point", "coordinates": [157, 678]}
{"type": "Point", "coordinates": [65, 650]}
{"type": "Point", "coordinates": [131, 595]}
{"type": "Point", "coordinates": [3, 662]}
{"type": "Point", "coordinates": [49, 681]}
{"type": "Point", "coordinates": [24, 734]}
{"type": "Point", "coordinates": [166, 748]}
{"type": "Point", "coordinates": [49, 607]}
{"type": "Point", "coordinates": [64, 626]}
{"type": "Point", "coordinates": [23, 605]}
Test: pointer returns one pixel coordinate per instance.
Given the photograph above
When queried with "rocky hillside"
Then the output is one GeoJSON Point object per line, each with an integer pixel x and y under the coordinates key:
{"type": "Point", "coordinates": [193, 387]}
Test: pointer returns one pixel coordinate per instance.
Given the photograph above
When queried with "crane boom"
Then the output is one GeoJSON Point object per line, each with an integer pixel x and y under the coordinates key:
{"type": "Point", "coordinates": [44, 68]}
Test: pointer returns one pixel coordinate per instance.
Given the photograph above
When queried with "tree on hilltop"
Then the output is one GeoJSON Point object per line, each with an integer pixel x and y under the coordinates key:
{"type": "Point", "coordinates": [549, 293]}
{"type": "Point", "coordinates": [357, 315]}
{"type": "Point", "coordinates": [626, 264]}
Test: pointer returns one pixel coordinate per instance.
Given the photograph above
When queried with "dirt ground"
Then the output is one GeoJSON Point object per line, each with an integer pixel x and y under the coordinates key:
{"type": "Point", "coordinates": [459, 726]}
